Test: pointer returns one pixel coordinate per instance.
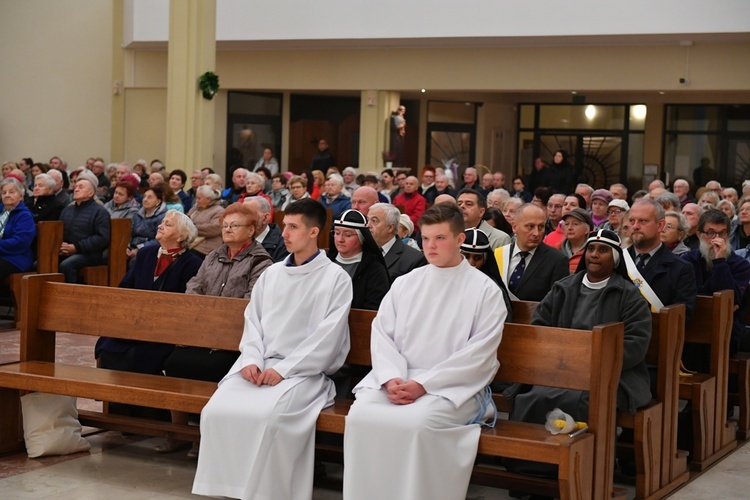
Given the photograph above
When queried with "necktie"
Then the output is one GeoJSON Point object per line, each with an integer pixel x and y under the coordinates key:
{"type": "Point", "coordinates": [515, 278]}
{"type": "Point", "coordinates": [641, 261]}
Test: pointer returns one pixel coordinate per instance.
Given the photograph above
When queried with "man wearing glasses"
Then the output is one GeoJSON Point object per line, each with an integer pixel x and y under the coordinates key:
{"type": "Point", "coordinates": [717, 268]}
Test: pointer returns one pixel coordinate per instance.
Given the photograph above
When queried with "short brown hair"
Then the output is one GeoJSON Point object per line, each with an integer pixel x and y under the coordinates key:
{"type": "Point", "coordinates": [444, 212]}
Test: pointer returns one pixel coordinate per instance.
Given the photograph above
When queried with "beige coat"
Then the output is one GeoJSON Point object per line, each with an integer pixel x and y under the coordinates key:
{"type": "Point", "coordinates": [209, 229]}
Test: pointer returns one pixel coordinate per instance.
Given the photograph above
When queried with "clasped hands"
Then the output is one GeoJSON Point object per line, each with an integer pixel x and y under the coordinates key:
{"type": "Point", "coordinates": [268, 376]}
{"type": "Point", "coordinates": [402, 392]}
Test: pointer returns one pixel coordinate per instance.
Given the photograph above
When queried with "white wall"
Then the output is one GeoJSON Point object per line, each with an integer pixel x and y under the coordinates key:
{"type": "Point", "coordinates": [56, 80]}
{"type": "Point", "coordinates": [325, 20]}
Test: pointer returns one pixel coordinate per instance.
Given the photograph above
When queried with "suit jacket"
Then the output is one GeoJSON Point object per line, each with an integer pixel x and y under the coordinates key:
{"type": "Point", "coordinates": [547, 267]}
{"type": "Point", "coordinates": [402, 259]}
{"type": "Point", "coordinates": [274, 243]}
{"type": "Point", "coordinates": [671, 278]}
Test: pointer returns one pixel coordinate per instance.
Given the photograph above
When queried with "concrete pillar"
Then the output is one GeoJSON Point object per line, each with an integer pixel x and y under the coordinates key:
{"type": "Point", "coordinates": [192, 52]}
{"type": "Point", "coordinates": [376, 107]}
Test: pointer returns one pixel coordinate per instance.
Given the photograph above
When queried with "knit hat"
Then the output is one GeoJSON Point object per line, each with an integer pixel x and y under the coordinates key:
{"type": "Point", "coordinates": [601, 194]}
{"type": "Point", "coordinates": [88, 175]}
{"type": "Point", "coordinates": [476, 241]}
{"type": "Point", "coordinates": [405, 221]}
{"type": "Point", "coordinates": [580, 214]}
{"type": "Point", "coordinates": [619, 204]}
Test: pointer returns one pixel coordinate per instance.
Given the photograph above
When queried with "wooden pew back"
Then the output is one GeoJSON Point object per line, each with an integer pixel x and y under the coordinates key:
{"type": "Point", "coordinates": [49, 239]}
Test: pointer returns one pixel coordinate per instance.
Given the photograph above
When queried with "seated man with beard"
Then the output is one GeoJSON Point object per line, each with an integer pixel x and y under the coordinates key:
{"type": "Point", "coordinates": [718, 268]}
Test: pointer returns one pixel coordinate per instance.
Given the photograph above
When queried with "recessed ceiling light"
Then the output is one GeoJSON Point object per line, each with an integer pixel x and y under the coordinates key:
{"type": "Point", "coordinates": [573, 92]}
{"type": "Point", "coordinates": [424, 90]}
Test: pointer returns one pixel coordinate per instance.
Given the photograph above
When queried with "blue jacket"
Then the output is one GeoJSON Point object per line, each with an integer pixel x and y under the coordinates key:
{"type": "Point", "coordinates": [338, 206]}
{"type": "Point", "coordinates": [144, 229]}
{"type": "Point", "coordinates": [19, 234]}
{"type": "Point", "coordinates": [86, 226]}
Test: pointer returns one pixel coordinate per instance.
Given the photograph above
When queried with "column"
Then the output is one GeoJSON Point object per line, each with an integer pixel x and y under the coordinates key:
{"type": "Point", "coordinates": [192, 52]}
{"type": "Point", "coordinates": [376, 107]}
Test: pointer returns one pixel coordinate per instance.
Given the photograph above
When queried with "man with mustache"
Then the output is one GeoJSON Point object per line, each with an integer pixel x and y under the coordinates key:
{"type": "Point", "coordinates": [718, 268]}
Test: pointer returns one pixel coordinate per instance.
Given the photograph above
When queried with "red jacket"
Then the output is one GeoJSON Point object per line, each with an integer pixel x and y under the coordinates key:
{"type": "Point", "coordinates": [414, 205]}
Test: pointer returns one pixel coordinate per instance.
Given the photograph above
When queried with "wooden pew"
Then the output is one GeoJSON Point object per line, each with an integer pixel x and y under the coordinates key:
{"type": "Point", "coordinates": [117, 260]}
{"type": "Point", "coordinates": [660, 467]}
{"type": "Point", "coordinates": [590, 361]}
{"type": "Point", "coordinates": [48, 241]}
{"type": "Point", "coordinates": [739, 365]}
{"type": "Point", "coordinates": [712, 326]}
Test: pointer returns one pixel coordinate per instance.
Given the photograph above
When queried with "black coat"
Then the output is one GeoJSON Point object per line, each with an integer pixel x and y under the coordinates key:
{"type": "Point", "coordinates": [370, 283]}
{"type": "Point", "coordinates": [274, 243]}
{"type": "Point", "coordinates": [45, 208]}
{"type": "Point", "coordinates": [402, 258]}
{"type": "Point", "coordinates": [548, 266]}
{"type": "Point", "coordinates": [671, 278]}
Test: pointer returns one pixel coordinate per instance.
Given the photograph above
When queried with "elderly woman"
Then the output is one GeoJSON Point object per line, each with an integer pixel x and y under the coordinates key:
{"type": "Point", "coordinates": [231, 270]}
{"type": "Point", "coordinates": [17, 230]}
{"type": "Point", "coordinates": [601, 292]}
{"type": "Point", "coordinates": [675, 229]}
{"type": "Point", "coordinates": [148, 219]}
{"type": "Point", "coordinates": [509, 207]}
{"type": "Point", "coordinates": [355, 250]}
{"type": "Point", "coordinates": [740, 237]}
{"type": "Point", "coordinates": [166, 267]}
{"type": "Point", "coordinates": [728, 208]}
{"type": "Point", "coordinates": [297, 190]}
{"type": "Point", "coordinates": [578, 225]}
{"type": "Point", "coordinates": [254, 184]}
{"type": "Point", "coordinates": [44, 205]}
{"type": "Point", "coordinates": [334, 197]}
{"type": "Point", "coordinates": [206, 215]}
{"type": "Point", "coordinates": [556, 238]}
{"type": "Point", "coordinates": [123, 204]}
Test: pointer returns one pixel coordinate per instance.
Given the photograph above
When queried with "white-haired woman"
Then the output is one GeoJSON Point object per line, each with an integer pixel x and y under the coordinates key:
{"type": "Point", "coordinates": [166, 267]}
{"type": "Point", "coordinates": [335, 199]}
{"type": "Point", "coordinates": [17, 229]}
{"type": "Point", "coordinates": [45, 205]}
{"type": "Point", "coordinates": [206, 214]}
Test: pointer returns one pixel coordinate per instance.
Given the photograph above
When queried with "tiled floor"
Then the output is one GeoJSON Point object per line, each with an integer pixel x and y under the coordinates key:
{"type": "Point", "coordinates": [120, 467]}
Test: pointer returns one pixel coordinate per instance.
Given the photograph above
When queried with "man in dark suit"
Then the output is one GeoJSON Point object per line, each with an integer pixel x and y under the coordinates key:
{"type": "Point", "coordinates": [542, 265]}
{"type": "Point", "coordinates": [671, 278]}
{"type": "Point", "coordinates": [399, 258]}
{"type": "Point", "coordinates": [268, 233]}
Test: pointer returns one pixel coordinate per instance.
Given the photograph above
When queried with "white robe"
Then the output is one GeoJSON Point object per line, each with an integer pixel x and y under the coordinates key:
{"type": "Point", "coordinates": [258, 442]}
{"type": "Point", "coordinates": [425, 450]}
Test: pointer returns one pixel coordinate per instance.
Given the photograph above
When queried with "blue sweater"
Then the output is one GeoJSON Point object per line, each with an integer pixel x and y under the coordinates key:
{"type": "Point", "coordinates": [20, 231]}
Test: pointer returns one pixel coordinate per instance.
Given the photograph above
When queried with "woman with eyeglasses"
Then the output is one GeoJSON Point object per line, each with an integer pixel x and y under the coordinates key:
{"type": "Point", "coordinates": [231, 270]}
{"type": "Point", "coordinates": [297, 191]}
{"type": "Point", "coordinates": [675, 228]}
{"type": "Point", "coordinates": [355, 250]}
{"type": "Point", "coordinates": [741, 232]}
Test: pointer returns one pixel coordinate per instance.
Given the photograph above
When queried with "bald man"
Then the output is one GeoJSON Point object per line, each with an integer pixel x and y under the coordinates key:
{"type": "Point", "coordinates": [414, 203]}
{"type": "Point", "coordinates": [445, 198]}
{"type": "Point", "coordinates": [363, 198]}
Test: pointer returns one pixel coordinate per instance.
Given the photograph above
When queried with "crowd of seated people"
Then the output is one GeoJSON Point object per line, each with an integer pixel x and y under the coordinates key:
{"type": "Point", "coordinates": [574, 248]}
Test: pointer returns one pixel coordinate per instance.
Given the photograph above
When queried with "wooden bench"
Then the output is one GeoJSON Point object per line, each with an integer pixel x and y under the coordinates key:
{"type": "Point", "coordinates": [117, 260]}
{"type": "Point", "coordinates": [739, 366]}
{"type": "Point", "coordinates": [660, 466]}
{"type": "Point", "coordinates": [711, 326]}
{"type": "Point", "coordinates": [590, 360]}
{"type": "Point", "coordinates": [48, 241]}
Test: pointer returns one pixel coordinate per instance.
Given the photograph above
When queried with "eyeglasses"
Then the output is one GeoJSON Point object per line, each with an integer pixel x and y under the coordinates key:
{"type": "Point", "coordinates": [670, 227]}
{"type": "Point", "coordinates": [344, 234]}
{"type": "Point", "coordinates": [614, 211]}
{"type": "Point", "coordinates": [555, 207]}
{"type": "Point", "coordinates": [713, 234]}
{"type": "Point", "coordinates": [233, 226]}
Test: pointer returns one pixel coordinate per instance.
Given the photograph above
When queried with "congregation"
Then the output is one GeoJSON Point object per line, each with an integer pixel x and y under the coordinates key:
{"type": "Point", "coordinates": [409, 247]}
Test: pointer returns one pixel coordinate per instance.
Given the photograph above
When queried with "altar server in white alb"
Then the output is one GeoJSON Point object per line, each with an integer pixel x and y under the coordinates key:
{"type": "Point", "coordinates": [258, 429]}
{"type": "Point", "coordinates": [414, 428]}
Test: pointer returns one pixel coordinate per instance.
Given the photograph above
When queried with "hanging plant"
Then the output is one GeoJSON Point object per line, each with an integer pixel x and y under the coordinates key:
{"type": "Point", "coordinates": [209, 84]}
